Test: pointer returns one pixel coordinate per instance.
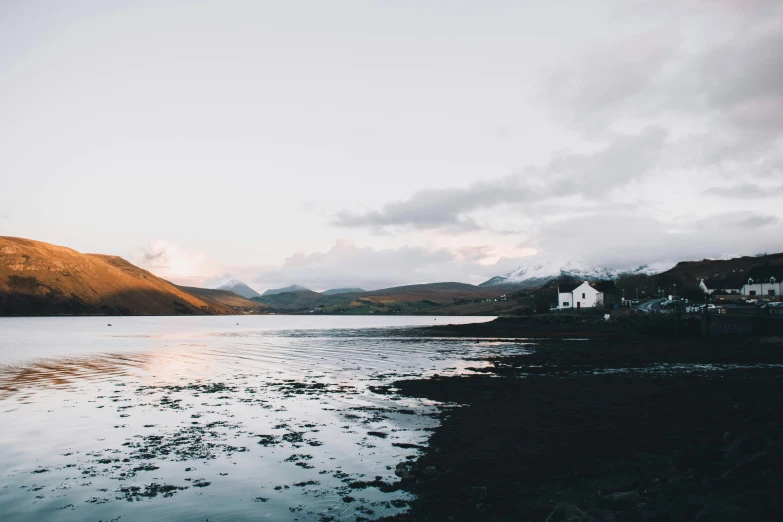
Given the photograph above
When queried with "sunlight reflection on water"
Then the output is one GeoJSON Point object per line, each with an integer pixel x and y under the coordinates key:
{"type": "Point", "coordinates": [195, 418]}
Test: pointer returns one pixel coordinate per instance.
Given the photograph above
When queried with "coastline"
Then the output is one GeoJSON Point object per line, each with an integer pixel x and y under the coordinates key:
{"type": "Point", "coordinates": [618, 427]}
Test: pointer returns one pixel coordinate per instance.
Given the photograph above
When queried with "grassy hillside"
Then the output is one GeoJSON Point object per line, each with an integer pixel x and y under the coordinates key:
{"type": "Point", "coordinates": [37, 278]}
{"type": "Point", "coordinates": [302, 300]}
{"type": "Point", "coordinates": [228, 298]}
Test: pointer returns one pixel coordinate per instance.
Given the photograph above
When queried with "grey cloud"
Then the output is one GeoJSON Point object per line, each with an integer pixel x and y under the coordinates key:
{"type": "Point", "coordinates": [745, 191]}
{"type": "Point", "coordinates": [434, 208]}
{"type": "Point", "coordinates": [589, 175]}
{"type": "Point", "coordinates": [626, 240]}
{"type": "Point", "coordinates": [611, 80]}
{"type": "Point", "coordinates": [650, 73]}
{"type": "Point", "coordinates": [743, 80]}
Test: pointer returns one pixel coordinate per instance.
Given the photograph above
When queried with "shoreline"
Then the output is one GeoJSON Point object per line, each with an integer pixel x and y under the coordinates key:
{"type": "Point", "coordinates": [676, 429]}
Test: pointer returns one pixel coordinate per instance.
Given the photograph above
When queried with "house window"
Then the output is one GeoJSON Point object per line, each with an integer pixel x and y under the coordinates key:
{"type": "Point", "coordinates": [752, 292]}
{"type": "Point", "coordinates": [770, 292]}
{"type": "Point", "coordinates": [583, 295]}
{"type": "Point", "coordinates": [566, 303]}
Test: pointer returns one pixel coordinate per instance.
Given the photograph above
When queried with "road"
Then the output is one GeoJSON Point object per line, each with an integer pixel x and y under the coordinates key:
{"type": "Point", "coordinates": [649, 306]}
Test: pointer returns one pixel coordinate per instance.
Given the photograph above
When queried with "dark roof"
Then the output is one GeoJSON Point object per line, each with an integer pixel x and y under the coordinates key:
{"type": "Point", "coordinates": [730, 282]}
{"type": "Point", "coordinates": [605, 286]}
{"type": "Point", "coordinates": [568, 287]}
{"type": "Point", "coordinates": [764, 273]}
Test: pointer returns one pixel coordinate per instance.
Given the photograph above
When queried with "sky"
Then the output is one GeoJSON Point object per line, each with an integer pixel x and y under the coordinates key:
{"type": "Point", "coordinates": [377, 143]}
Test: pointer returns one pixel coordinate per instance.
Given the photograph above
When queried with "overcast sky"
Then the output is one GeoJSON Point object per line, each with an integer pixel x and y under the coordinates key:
{"type": "Point", "coordinates": [375, 143]}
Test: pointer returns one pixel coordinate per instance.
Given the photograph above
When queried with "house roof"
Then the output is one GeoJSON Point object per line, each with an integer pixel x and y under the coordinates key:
{"type": "Point", "coordinates": [764, 273]}
{"type": "Point", "coordinates": [730, 282]}
{"type": "Point", "coordinates": [568, 287]}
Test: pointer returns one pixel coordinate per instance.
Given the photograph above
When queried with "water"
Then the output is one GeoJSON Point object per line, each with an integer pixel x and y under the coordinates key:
{"type": "Point", "coordinates": [276, 417]}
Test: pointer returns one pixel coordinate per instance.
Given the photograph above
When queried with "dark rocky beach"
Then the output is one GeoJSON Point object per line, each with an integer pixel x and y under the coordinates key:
{"type": "Point", "coordinates": [632, 422]}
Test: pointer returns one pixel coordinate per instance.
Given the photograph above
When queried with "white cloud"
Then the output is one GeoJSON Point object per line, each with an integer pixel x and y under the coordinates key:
{"type": "Point", "coordinates": [174, 263]}
{"type": "Point", "coordinates": [346, 264]}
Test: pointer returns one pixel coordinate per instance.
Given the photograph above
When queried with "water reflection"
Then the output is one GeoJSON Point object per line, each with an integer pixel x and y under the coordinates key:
{"type": "Point", "coordinates": [242, 425]}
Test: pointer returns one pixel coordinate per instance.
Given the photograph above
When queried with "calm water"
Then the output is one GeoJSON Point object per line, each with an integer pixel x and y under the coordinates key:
{"type": "Point", "coordinates": [277, 417]}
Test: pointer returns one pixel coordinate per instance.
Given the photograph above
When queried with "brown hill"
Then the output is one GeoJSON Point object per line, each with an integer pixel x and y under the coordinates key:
{"type": "Point", "coordinates": [37, 278]}
{"type": "Point", "coordinates": [228, 298]}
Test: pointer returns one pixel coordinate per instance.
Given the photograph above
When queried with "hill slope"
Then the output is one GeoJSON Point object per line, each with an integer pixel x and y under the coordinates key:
{"type": "Point", "coordinates": [336, 291]}
{"type": "Point", "coordinates": [292, 288]}
{"type": "Point", "coordinates": [37, 278]}
{"type": "Point", "coordinates": [411, 299]}
{"type": "Point", "coordinates": [228, 298]}
{"type": "Point", "coordinates": [292, 301]}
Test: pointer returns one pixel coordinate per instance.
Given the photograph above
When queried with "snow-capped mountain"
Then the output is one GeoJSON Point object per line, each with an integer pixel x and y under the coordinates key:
{"type": "Point", "coordinates": [644, 270]}
{"type": "Point", "coordinates": [238, 287]}
{"type": "Point", "coordinates": [539, 273]}
{"type": "Point", "coordinates": [724, 257]}
{"type": "Point", "coordinates": [292, 288]}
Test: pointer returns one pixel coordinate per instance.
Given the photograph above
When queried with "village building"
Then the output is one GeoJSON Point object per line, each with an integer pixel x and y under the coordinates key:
{"type": "Point", "coordinates": [577, 296]}
{"type": "Point", "coordinates": [764, 281]}
{"type": "Point", "coordinates": [729, 285]}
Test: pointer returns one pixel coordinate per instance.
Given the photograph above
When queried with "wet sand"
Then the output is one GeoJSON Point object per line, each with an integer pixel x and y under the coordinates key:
{"type": "Point", "coordinates": [622, 427]}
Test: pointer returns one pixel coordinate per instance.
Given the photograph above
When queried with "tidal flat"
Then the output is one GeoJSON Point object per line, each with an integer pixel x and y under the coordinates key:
{"type": "Point", "coordinates": [279, 418]}
{"type": "Point", "coordinates": [620, 428]}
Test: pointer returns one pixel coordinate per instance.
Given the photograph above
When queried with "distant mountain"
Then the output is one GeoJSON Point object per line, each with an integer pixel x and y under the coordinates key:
{"type": "Point", "coordinates": [336, 291]}
{"type": "Point", "coordinates": [410, 299]}
{"type": "Point", "coordinates": [37, 278]}
{"type": "Point", "coordinates": [724, 257]}
{"type": "Point", "coordinates": [239, 288]}
{"type": "Point", "coordinates": [642, 270]}
{"type": "Point", "coordinates": [226, 297]}
{"type": "Point", "coordinates": [540, 273]}
{"type": "Point", "coordinates": [292, 301]}
{"type": "Point", "coordinates": [292, 288]}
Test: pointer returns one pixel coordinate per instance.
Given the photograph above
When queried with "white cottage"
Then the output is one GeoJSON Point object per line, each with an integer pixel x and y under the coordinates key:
{"type": "Point", "coordinates": [764, 281]}
{"type": "Point", "coordinates": [578, 295]}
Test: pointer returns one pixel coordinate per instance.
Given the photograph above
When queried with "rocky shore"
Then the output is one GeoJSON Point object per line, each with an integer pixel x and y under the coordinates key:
{"type": "Point", "coordinates": [616, 428]}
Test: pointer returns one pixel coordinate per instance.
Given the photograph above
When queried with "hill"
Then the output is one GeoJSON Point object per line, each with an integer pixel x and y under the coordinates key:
{"type": "Point", "coordinates": [240, 288]}
{"type": "Point", "coordinates": [292, 301]}
{"type": "Point", "coordinates": [336, 291]}
{"type": "Point", "coordinates": [225, 297]}
{"type": "Point", "coordinates": [37, 278]}
{"type": "Point", "coordinates": [292, 288]}
{"type": "Point", "coordinates": [410, 299]}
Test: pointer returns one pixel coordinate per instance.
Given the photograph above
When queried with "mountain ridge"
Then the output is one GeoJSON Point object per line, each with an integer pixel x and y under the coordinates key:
{"type": "Point", "coordinates": [540, 273]}
{"type": "Point", "coordinates": [239, 288]}
{"type": "Point", "coordinates": [285, 289]}
{"type": "Point", "coordinates": [38, 278]}
{"type": "Point", "coordinates": [337, 291]}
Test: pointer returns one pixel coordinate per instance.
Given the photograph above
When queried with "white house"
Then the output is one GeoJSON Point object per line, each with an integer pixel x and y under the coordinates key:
{"type": "Point", "coordinates": [731, 284]}
{"type": "Point", "coordinates": [578, 295]}
{"type": "Point", "coordinates": [764, 281]}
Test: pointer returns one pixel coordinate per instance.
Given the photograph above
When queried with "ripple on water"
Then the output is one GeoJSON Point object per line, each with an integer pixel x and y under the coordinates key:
{"type": "Point", "coordinates": [279, 424]}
